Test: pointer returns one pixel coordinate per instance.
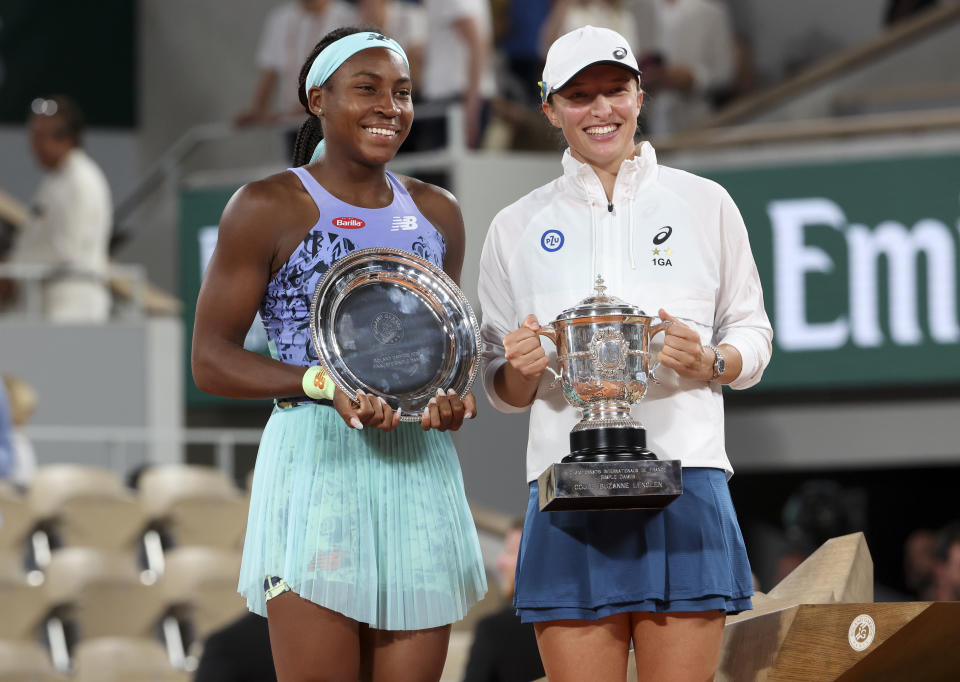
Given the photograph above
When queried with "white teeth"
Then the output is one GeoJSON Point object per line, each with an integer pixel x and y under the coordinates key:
{"type": "Point", "coordinates": [601, 130]}
{"type": "Point", "coordinates": [382, 131]}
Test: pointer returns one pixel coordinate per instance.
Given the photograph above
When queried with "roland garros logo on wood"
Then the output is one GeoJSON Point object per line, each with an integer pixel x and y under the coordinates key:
{"type": "Point", "coordinates": [346, 223]}
{"type": "Point", "coordinates": [862, 631]}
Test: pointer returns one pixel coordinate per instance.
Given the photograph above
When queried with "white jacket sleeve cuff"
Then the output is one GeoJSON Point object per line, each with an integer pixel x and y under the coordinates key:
{"type": "Point", "coordinates": [754, 350]}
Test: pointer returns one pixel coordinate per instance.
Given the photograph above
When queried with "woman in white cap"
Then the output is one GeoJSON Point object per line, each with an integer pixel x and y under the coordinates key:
{"type": "Point", "coordinates": [666, 241]}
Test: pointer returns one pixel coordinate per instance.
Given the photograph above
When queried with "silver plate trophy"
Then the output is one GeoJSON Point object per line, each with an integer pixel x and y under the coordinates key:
{"type": "Point", "coordinates": [395, 326]}
{"type": "Point", "coordinates": [603, 351]}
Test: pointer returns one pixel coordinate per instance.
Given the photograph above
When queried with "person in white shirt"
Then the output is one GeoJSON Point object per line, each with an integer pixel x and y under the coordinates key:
{"type": "Point", "coordinates": [690, 56]}
{"type": "Point", "coordinates": [457, 63]}
{"type": "Point", "coordinates": [292, 30]}
{"type": "Point", "coordinates": [289, 33]}
{"type": "Point", "coordinates": [71, 220]}
{"type": "Point", "coordinates": [668, 242]}
{"type": "Point", "coordinates": [567, 15]}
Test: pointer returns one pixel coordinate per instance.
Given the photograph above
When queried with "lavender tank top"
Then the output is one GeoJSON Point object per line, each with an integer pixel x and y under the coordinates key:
{"type": "Point", "coordinates": [341, 229]}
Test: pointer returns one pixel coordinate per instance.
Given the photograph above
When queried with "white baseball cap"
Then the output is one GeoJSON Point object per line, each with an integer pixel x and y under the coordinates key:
{"type": "Point", "coordinates": [572, 52]}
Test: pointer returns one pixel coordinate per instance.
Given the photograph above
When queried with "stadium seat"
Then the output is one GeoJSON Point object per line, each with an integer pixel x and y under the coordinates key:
{"type": "Point", "coordinates": [194, 505]}
{"type": "Point", "coordinates": [101, 592]}
{"type": "Point", "coordinates": [21, 603]}
{"type": "Point", "coordinates": [22, 661]}
{"type": "Point", "coordinates": [124, 659]}
{"type": "Point", "coordinates": [85, 506]}
{"type": "Point", "coordinates": [16, 519]}
{"type": "Point", "coordinates": [200, 583]}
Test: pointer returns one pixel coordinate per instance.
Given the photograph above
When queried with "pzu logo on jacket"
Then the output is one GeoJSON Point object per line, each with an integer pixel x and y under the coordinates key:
{"type": "Point", "coordinates": [551, 240]}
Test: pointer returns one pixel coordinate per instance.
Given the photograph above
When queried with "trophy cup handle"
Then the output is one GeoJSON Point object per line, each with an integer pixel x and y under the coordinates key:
{"type": "Point", "coordinates": [653, 331]}
{"type": "Point", "coordinates": [551, 334]}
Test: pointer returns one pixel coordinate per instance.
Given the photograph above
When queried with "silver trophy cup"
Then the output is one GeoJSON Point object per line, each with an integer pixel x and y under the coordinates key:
{"type": "Point", "coordinates": [605, 366]}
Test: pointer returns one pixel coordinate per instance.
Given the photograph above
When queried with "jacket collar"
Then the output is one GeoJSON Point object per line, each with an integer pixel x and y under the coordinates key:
{"type": "Point", "coordinates": [635, 173]}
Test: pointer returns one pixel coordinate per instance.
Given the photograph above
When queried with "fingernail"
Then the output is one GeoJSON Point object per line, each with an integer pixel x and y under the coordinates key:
{"type": "Point", "coordinates": [433, 401]}
{"type": "Point", "coordinates": [426, 412]}
{"type": "Point", "coordinates": [440, 391]}
{"type": "Point", "coordinates": [450, 391]}
{"type": "Point", "coordinates": [468, 415]}
{"type": "Point", "coordinates": [355, 423]}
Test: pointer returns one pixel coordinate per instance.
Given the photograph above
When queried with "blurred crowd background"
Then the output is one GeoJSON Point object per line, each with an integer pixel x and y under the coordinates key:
{"type": "Point", "coordinates": [125, 125]}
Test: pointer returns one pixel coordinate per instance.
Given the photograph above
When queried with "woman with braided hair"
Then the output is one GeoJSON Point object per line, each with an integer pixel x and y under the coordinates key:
{"type": "Point", "coordinates": [360, 548]}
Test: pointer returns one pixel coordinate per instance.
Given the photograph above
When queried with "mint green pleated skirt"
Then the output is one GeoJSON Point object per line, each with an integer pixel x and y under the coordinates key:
{"type": "Point", "coordinates": [369, 524]}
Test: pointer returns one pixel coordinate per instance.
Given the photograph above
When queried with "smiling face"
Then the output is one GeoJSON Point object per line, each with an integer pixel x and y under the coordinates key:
{"type": "Point", "coordinates": [597, 111]}
{"type": "Point", "coordinates": [366, 106]}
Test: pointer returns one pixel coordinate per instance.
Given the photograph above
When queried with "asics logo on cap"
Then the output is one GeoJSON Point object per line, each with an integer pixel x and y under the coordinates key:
{"type": "Point", "coordinates": [620, 53]}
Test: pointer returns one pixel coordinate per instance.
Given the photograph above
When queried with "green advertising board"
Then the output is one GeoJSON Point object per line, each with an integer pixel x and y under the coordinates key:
{"type": "Point", "coordinates": [200, 211]}
{"type": "Point", "coordinates": [858, 261]}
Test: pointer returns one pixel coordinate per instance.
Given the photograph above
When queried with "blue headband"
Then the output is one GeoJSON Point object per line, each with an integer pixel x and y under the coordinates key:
{"type": "Point", "coordinates": [335, 54]}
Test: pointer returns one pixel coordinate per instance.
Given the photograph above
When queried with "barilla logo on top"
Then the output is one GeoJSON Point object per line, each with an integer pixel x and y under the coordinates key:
{"type": "Point", "coordinates": [348, 223]}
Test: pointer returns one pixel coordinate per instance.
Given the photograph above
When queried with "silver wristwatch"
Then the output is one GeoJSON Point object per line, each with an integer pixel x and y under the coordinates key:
{"type": "Point", "coordinates": [718, 364]}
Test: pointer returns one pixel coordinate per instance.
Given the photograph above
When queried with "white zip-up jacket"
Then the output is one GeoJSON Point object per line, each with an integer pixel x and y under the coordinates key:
{"type": "Point", "coordinates": [668, 239]}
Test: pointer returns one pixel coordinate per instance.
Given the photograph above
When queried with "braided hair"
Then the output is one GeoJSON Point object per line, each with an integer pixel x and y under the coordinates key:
{"type": "Point", "coordinates": [311, 131]}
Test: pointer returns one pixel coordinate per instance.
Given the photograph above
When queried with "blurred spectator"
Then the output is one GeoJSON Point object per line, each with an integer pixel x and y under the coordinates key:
{"type": "Point", "coordinates": [898, 10]}
{"type": "Point", "coordinates": [292, 30]}
{"type": "Point", "coordinates": [517, 25]}
{"type": "Point", "coordinates": [239, 652]}
{"type": "Point", "coordinates": [947, 566]}
{"type": "Point", "coordinates": [6, 432]}
{"type": "Point", "coordinates": [517, 123]}
{"type": "Point", "coordinates": [504, 649]}
{"type": "Point", "coordinates": [568, 15]}
{"type": "Point", "coordinates": [69, 229]}
{"type": "Point", "coordinates": [817, 511]}
{"type": "Point", "coordinates": [289, 34]}
{"type": "Point", "coordinates": [22, 400]}
{"type": "Point", "coordinates": [13, 215]}
{"type": "Point", "coordinates": [692, 58]}
{"type": "Point", "coordinates": [457, 66]}
{"type": "Point", "coordinates": [919, 562]}
{"type": "Point", "coordinates": [403, 20]}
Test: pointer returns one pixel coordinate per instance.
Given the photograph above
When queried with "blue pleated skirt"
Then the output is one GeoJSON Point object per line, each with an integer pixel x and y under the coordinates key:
{"type": "Point", "coordinates": [373, 525]}
{"type": "Point", "coordinates": [689, 556]}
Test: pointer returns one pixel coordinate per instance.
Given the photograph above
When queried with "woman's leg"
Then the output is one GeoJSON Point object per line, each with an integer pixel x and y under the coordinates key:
{"type": "Point", "coordinates": [681, 647]}
{"type": "Point", "coordinates": [311, 643]}
{"type": "Point", "coordinates": [403, 655]}
{"type": "Point", "coordinates": [577, 650]}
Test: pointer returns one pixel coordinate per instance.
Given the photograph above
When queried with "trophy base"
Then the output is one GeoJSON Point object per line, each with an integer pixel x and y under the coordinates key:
{"type": "Point", "coordinates": [586, 486]}
{"type": "Point", "coordinates": [609, 445]}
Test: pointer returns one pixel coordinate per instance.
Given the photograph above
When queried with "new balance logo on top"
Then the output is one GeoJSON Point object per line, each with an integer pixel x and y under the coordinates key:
{"type": "Point", "coordinates": [407, 222]}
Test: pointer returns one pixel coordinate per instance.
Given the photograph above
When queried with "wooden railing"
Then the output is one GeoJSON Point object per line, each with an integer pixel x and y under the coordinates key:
{"type": "Point", "coordinates": [812, 129]}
